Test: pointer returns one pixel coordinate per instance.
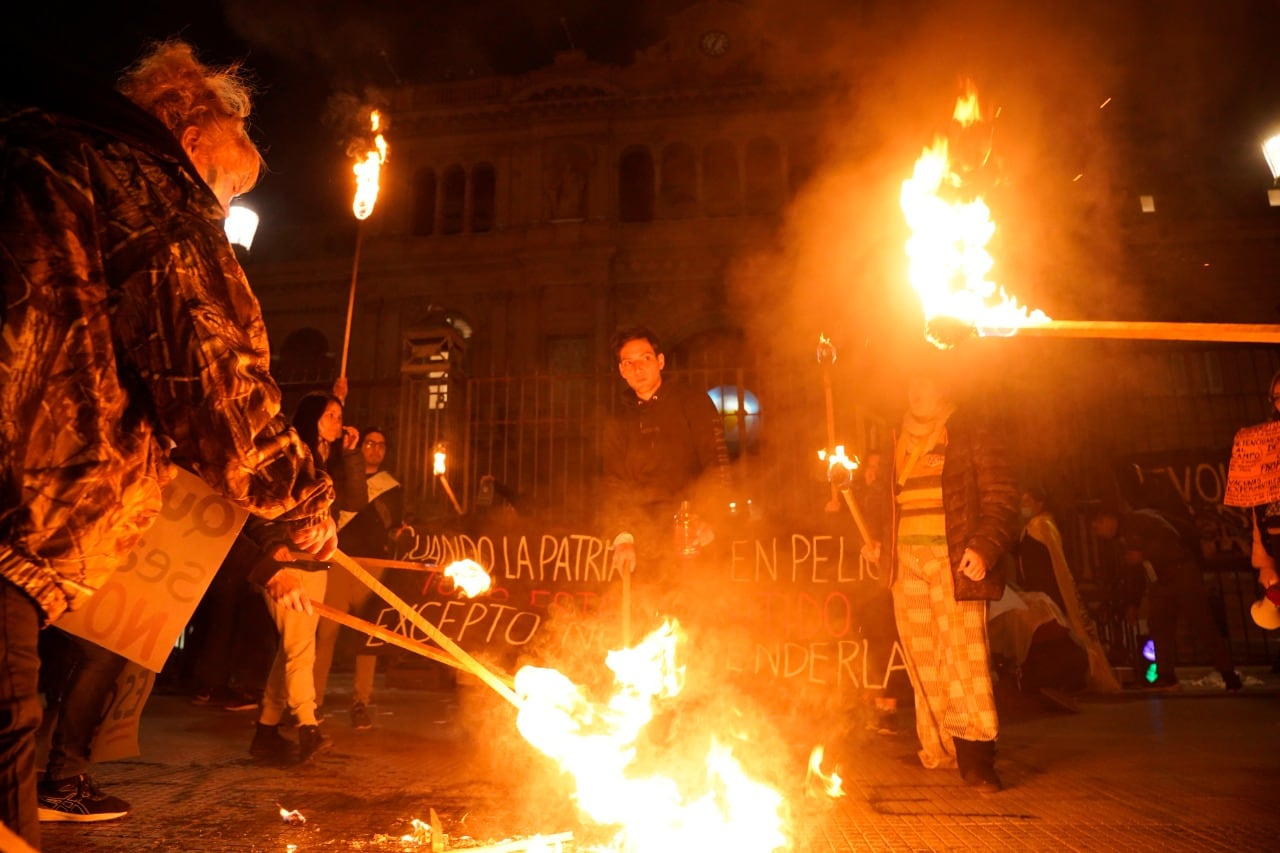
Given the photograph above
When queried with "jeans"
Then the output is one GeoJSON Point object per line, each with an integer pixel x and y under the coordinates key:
{"type": "Point", "coordinates": [80, 683]}
{"type": "Point", "coordinates": [19, 711]}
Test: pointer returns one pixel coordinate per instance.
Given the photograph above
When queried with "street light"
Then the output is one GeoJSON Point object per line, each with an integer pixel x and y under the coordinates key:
{"type": "Point", "coordinates": [1271, 150]}
{"type": "Point", "coordinates": [241, 225]}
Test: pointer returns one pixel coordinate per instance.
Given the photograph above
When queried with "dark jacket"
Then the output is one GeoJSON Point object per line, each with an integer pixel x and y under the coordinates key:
{"type": "Point", "coordinates": [129, 333]}
{"type": "Point", "coordinates": [661, 451]}
{"type": "Point", "coordinates": [979, 502]}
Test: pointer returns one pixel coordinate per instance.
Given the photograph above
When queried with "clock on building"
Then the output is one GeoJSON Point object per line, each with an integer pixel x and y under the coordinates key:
{"type": "Point", "coordinates": [714, 43]}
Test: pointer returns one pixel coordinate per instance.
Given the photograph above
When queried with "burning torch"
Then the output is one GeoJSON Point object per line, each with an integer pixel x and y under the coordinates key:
{"type": "Point", "coordinates": [367, 168]}
{"type": "Point", "coordinates": [440, 461]}
{"type": "Point", "coordinates": [840, 470]}
{"type": "Point", "coordinates": [948, 266]}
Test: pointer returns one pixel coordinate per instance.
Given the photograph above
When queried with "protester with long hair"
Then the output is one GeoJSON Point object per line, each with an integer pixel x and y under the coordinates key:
{"type": "Point", "coordinates": [291, 683]}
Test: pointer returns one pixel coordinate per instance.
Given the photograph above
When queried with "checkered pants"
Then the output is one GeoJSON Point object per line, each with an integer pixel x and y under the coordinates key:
{"type": "Point", "coordinates": [945, 642]}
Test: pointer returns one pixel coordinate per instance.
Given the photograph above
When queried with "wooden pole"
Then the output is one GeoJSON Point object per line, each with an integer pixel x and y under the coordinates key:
{"type": "Point", "coordinates": [420, 622]}
{"type": "Point", "coordinates": [378, 632]}
{"type": "Point", "coordinates": [448, 490]}
{"type": "Point", "coordinates": [626, 608]}
{"type": "Point", "coordinates": [351, 300]}
{"type": "Point", "coordinates": [857, 515]}
{"type": "Point", "coordinates": [1259, 333]}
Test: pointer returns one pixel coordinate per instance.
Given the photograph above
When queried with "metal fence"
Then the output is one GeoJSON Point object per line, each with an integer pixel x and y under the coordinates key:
{"type": "Point", "coordinates": [534, 442]}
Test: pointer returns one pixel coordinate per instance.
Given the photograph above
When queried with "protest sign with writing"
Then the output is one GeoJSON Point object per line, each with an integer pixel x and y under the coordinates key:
{"type": "Point", "coordinates": [791, 607]}
{"type": "Point", "coordinates": [1253, 477]}
{"type": "Point", "coordinates": [142, 609]}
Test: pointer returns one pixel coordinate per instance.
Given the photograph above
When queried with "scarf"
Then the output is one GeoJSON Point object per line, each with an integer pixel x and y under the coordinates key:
{"type": "Point", "coordinates": [919, 436]}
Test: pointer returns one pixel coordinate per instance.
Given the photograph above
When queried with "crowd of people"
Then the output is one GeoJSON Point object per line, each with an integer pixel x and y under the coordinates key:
{"type": "Point", "coordinates": [132, 343]}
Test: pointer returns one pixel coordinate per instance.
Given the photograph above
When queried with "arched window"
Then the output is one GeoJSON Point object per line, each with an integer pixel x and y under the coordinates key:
{"type": "Point", "coordinates": [304, 357]}
{"type": "Point", "coordinates": [454, 203]}
{"type": "Point", "coordinates": [424, 202]}
{"type": "Point", "coordinates": [764, 176]}
{"type": "Point", "coordinates": [635, 186]}
{"type": "Point", "coordinates": [720, 189]}
{"type": "Point", "coordinates": [483, 191]}
{"type": "Point", "coordinates": [679, 181]}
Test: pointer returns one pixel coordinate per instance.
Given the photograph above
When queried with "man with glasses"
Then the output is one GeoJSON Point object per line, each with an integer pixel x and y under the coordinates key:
{"type": "Point", "coordinates": [375, 531]}
{"type": "Point", "coordinates": [663, 445]}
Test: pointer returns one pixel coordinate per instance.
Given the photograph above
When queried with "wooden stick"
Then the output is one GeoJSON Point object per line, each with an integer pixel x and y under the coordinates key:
{"type": "Point", "coordinates": [522, 844]}
{"type": "Point", "coordinates": [419, 621]}
{"type": "Point", "coordinates": [1150, 330]}
{"type": "Point", "coordinates": [857, 515]}
{"type": "Point", "coordinates": [378, 563]}
{"type": "Point", "coordinates": [626, 608]}
{"type": "Point", "coordinates": [448, 490]}
{"type": "Point", "coordinates": [437, 832]}
{"type": "Point", "coordinates": [351, 300]}
{"type": "Point", "coordinates": [378, 632]}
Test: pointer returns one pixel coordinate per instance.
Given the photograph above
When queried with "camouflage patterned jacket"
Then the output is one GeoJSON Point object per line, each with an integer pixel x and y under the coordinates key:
{"type": "Point", "coordinates": [129, 332]}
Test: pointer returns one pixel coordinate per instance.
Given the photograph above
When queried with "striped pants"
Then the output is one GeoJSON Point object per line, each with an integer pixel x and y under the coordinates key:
{"type": "Point", "coordinates": [945, 642]}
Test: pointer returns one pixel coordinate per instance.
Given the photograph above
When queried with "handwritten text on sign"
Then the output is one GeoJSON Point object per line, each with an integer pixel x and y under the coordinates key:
{"type": "Point", "coordinates": [143, 608]}
{"type": "Point", "coordinates": [1254, 475]}
{"type": "Point", "coordinates": [798, 603]}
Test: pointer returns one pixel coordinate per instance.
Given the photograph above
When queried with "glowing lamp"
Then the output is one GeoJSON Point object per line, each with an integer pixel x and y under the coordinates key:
{"type": "Point", "coordinates": [1271, 151]}
{"type": "Point", "coordinates": [740, 427]}
{"type": "Point", "coordinates": [241, 225]}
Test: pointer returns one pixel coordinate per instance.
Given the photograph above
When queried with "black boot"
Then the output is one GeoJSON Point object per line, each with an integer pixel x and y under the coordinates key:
{"type": "Point", "coordinates": [311, 742]}
{"type": "Point", "coordinates": [269, 743]}
{"type": "Point", "coordinates": [977, 762]}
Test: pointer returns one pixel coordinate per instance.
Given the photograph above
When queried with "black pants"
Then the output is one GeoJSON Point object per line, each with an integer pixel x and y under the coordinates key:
{"type": "Point", "coordinates": [1183, 596]}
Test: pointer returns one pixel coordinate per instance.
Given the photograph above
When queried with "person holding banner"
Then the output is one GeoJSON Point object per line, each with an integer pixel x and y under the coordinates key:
{"type": "Point", "coordinates": [129, 335]}
{"type": "Point", "coordinates": [291, 683]}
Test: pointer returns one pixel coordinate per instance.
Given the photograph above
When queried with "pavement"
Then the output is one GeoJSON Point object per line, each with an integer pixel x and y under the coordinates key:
{"type": "Point", "coordinates": [1136, 771]}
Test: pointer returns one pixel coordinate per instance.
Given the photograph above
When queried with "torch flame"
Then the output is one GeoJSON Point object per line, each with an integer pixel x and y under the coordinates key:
{"type": "Point", "coordinates": [439, 462]}
{"type": "Point", "coordinates": [947, 250]}
{"type": "Point", "coordinates": [367, 168]}
{"type": "Point", "coordinates": [469, 576]}
{"type": "Point", "coordinates": [839, 466]}
{"type": "Point", "coordinates": [596, 744]}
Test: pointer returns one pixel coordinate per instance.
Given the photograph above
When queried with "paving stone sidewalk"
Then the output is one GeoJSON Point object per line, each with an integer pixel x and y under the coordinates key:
{"type": "Point", "coordinates": [1185, 771]}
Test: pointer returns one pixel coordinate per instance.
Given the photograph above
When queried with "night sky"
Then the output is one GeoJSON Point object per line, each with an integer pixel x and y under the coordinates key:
{"type": "Point", "coordinates": [1195, 84]}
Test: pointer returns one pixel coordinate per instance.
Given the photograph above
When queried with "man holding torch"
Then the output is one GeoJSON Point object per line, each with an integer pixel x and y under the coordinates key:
{"type": "Point", "coordinates": [955, 513]}
{"type": "Point", "coordinates": [130, 337]}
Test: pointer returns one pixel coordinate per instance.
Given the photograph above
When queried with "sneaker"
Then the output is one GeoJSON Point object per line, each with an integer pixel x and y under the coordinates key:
{"type": "Point", "coordinates": [77, 799]}
{"type": "Point", "coordinates": [312, 742]}
{"type": "Point", "coordinates": [201, 697]}
{"type": "Point", "coordinates": [360, 717]}
{"type": "Point", "coordinates": [269, 743]}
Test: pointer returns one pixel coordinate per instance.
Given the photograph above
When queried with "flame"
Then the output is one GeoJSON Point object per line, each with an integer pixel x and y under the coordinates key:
{"type": "Point", "coordinates": [826, 351]}
{"type": "Point", "coordinates": [469, 576]}
{"type": "Point", "coordinates": [947, 250]}
{"type": "Point", "coordinates": [831, 784]}
{"type": "Point", "coordinates": [839, 466]}
{"type": "Point", "coordinates": [596, 744]}
{"type": "Point", "coordinates": [419, 833]}
{"type": "Point", "coordinates": [367, 168]}
{"type": "Point", "coordinates": [439, 461]}
{"type": "Point", "coordinates": [293, 818]}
